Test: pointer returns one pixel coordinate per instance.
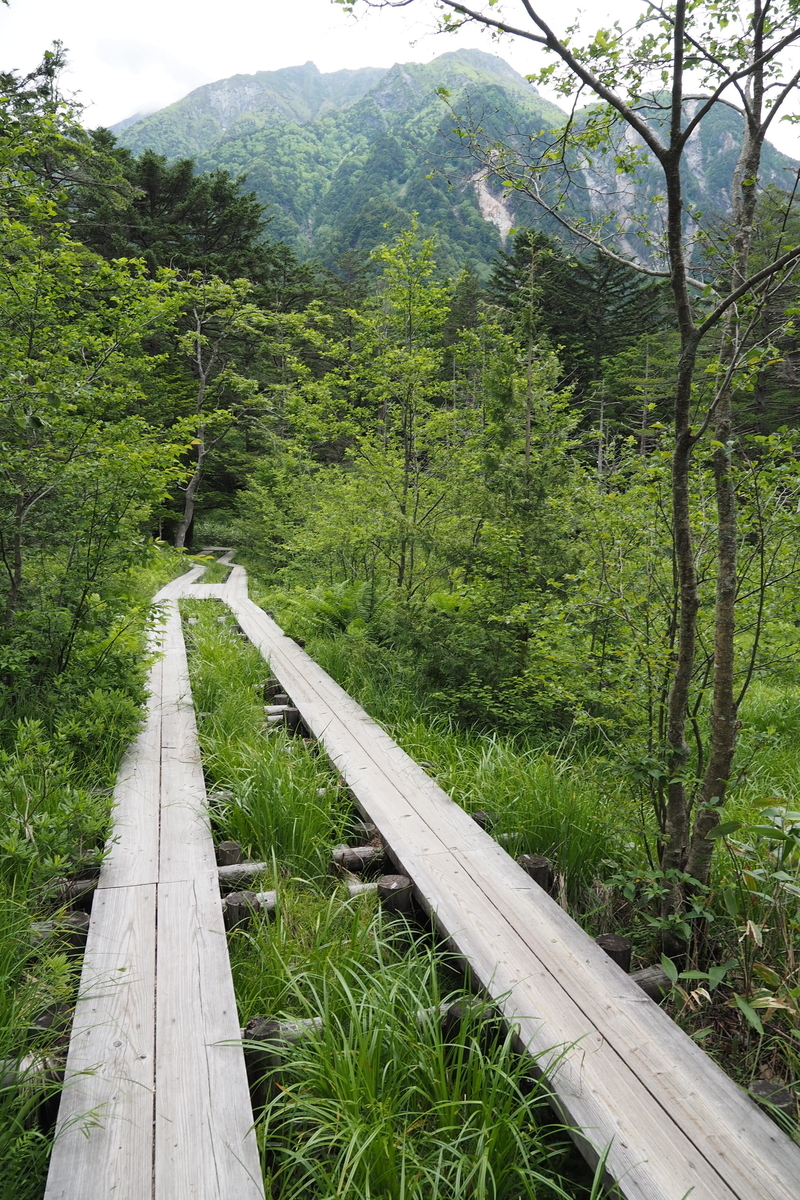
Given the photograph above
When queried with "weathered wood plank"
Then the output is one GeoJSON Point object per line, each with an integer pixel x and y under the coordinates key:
{"type": "Point", "coordinates": [236, 585]}
{"type": "Point", "coordinates": [699, 1096]}
{"type": "Point", "coordinates": [104, 1141]}
{"type": "Point", "coordinates": [132, 850]}
{"type": "Point", "coordinates": [186, 846]}
{"type": "Point", "coordinates": [205, 1146]}
{"type": "Point", "coordinates": [204, 591]}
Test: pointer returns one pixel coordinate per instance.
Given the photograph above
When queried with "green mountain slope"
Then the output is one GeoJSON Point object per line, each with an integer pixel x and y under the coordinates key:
{"type": "Point", "coordinates": [340, 157]}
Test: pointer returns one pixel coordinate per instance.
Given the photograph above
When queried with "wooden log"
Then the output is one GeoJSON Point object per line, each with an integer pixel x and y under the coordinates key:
{"type": "Point", "coordinates": [73, 891]}
{"type": "Point", "coordinates": [654, 981]}
{"type": "Point", "coordinates": [292, 719]}
{"type": "Point", "coordinates": [53, 1016]}
{"type": "Point", "coordinates": [229, 854]}
{"type": "Point", "coordinates": [366, 830]}
{"type": "Point", "coordinates": [486, 820]}
{"type": "Point", "coordinates": [770, 1094]}
{"type": "Point", "coordinates": [33, 1073]}
{"type": "Point", "coordinates": [267, 1044]}
{"type": "Point", "coordinates": [71, 929]}
{"type": "Point", "coordinates": [239, 873]}
{"type": "Point", "coordinates": [471, 1010]}
{"type": "Point", "coordinates": [281, 714]}
{"type": "Point", "coordinates": [281, 698]}
{"type": "Point", "coordinates": [238, 909]}
{"type": "Point", "coordinates": [617, 948]}
{"type": "Point", "coordinates": [268, 901]}
{"type": "Point", "coordinates": [358, 858]}
{"type": "Point", "coordinates": [396, 893]}
{"type": "Point", "coordinates": [359, 889]}
{"type": "Point", "coordinates": [540, 869]}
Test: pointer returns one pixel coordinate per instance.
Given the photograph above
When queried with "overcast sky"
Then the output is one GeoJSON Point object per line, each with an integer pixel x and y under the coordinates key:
{"type": "Point", "coordinates": [128, 58]}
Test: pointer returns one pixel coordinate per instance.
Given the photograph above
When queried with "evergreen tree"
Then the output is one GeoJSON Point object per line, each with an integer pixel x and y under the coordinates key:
{"type": "Point", "coordinates": [589, 307]}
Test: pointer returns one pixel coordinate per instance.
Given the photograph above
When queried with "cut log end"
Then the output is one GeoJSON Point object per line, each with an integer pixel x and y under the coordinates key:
{"type": "Point", "coordinates": [396, 893]}
{"type": "Point", "coordinates": [540, 869]}
{"type": "Point", "coordinates": [618, 949]}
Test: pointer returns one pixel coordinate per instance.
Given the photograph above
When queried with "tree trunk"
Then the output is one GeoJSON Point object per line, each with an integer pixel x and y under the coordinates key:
{"type": "Point", "coordinates": [191, 495]}
{"type": "Point", "coordinates": [724, 710]}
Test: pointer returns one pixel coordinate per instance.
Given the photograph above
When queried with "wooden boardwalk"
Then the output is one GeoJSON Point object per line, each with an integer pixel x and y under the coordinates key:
{"type": "Point", "coordinates": [155, 1075]}
{"type": "Point", "coordinates": [156, 1103]}
{"type": "Point", "coordinates": [674, 1123]}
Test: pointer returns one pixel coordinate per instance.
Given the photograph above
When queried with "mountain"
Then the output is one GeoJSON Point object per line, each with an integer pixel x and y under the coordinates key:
{"type": "Point", "coordinates": [341, 157]}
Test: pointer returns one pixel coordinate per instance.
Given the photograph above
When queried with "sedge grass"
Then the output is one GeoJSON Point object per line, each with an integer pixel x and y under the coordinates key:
{"type": "Point", "coordinates": [267, 792]}
{"type": "Point", "coordinates": [382, 1103]}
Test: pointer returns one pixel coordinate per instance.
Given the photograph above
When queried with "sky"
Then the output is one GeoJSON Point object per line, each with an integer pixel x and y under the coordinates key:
{"type": "Point", "coordinates": [129, 58]}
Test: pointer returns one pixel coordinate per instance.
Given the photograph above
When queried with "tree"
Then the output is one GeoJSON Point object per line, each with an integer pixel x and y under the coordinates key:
{"type": "Point", "coordinates": [221, 324]}
{"type": "Point", "coordinates": [79, 472]}
{"type": "Point", "coordinates": [589, 306]}
{"type": "Point", "coordinates": [173, 216]}
{"type": "Point", "coordinates": [643, 112]}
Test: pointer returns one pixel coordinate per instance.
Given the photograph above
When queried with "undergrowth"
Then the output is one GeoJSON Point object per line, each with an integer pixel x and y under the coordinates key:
{"type": "Point", "coordinates": [737, 982]}
{"type": "Point", "coordinates": [384, 1100]}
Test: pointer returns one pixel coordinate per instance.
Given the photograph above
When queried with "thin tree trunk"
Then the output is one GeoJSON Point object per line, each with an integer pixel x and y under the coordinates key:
{"type": "Point", "coordinates": [724, 710]}
{"type": "Point", "coordinates": [191, 495]}
{"type": "Point", "coordinates": [16, 570]}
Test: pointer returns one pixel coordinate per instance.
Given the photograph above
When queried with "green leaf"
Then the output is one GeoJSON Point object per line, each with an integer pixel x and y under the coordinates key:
{"type": "Point", "coordinates": [669, 969]}
{"type": "Point", "coordinates": [750, 1014]}
{"type": "Point", "coordinates": [721, 831]}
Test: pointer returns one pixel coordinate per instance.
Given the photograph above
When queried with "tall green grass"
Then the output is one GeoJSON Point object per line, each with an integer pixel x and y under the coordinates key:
{"type": "Point", "coordinates": [267, 791]}
{"type": "Point", "coordinates": [385, 1102]}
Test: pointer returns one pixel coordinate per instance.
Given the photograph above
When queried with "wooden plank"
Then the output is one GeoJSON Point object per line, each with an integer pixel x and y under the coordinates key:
{"type": "Point", "coordinates": [205, 1145]}
{"type": "Point", "coordinates": [204, 591]}
{"type": "Point", "coordinates": [397, 788]}
{"type": "Point", "coordinates": [650, 1154]}
{"type": "Point", "coordinates": [676, 1123]}
{"type": "Point", "coordinates": [186, 847]}
{"type": "Point", "coordinates": [689, 1086]}
{"type": "Point", "coordinates": [235, 587]}
{"type": "Point", "coordinates": [156, 1073]}
{"type": "Point", "coordinates": [104, 1141]}
{"type": "Point", "coordinates": [132, 849]}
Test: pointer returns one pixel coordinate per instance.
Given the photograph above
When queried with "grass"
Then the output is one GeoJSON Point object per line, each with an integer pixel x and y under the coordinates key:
{"type": "Point", "coordinates": [215, 572]}
{"type": "Point", "coordinates": [385, 1101]}
{"type": "Point", "coordinates": [267, 792]}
